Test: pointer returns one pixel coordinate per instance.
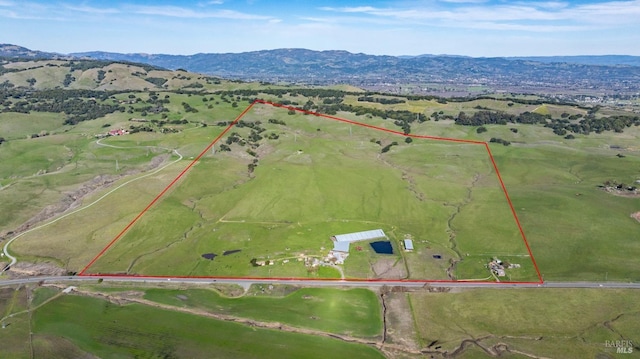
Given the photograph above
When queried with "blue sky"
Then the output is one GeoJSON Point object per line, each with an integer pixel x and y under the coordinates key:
{"type": "Point", "coordinates": [459, 27]}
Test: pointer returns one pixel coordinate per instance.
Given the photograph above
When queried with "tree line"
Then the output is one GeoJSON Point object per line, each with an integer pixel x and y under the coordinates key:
{"type": "Point", "coordinates": [78, 105]}
{"type": "Point", "coordinates": [560, 126]}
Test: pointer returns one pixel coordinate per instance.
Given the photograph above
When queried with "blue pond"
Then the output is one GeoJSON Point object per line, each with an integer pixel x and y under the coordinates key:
{"type": "Point", "coordinates": [382, 247]}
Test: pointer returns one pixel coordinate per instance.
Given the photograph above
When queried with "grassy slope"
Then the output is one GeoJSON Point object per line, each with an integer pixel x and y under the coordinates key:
{"type": "Point", "coordinates": [576, 230]}
{"type": "Point", "coordinates": [327, 175]}
{"type": "Point", "coordinates": [573, 237]}
{"type": "Point", "coordinates": [112, 331]}
{"type": "Point", "coordinates": [567, 323]}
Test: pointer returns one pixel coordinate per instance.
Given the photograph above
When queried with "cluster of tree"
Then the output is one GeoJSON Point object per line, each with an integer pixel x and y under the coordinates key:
{"type": "Point", "coordinates": [195, 85]}
{"type": "Point", "coordinates": [499, 118]}
{"type": "Point", "coordinates": [188, 108]}
{"type": "Point", "coordinates": [386, 148]}
{"type": "Point", "coordinates": [101, 75]}
{"type": "Point", "coordinates": [4, 70]}
{"type": "Point", "coordinates": [41, 134]}
{"type": "Point", "coordinates": [68, 79]}
{"type": "Point", "coordinates": [78, 105]}
{"type": "Point", "coordinates": [255, 125]}
{"type": "Point", "coordinates": [154, 99]}
{"type": "Point", "coordinates": [254, 136]}
{"type": "Point", "coordinates": [277, 122]}
{"type": "Point", "coordinates": [157, 81]}
{"type": "Point", "coordinates": [381, 100]}
{"type": "Point", "coordinates": [161, 123]}
{"type": "Point", "coordinates": [403, 118]}
{"type": "Point", "coordinates": [332, 100]}
{"type": "Point", "coordinates": [6, 85]}
{"type": "Point", "coordinates": [252, 141]}
{"type": "Point", "coordinates": [141, 128]}
{"type": "Point", "coordinates": [235, 137]}
{"type": "Point", "coordinates": [499, 140]}
{"type": "Point", "coordinates": [562, 126]}
{"type": "Point", "coordinates": [616, 123]}
{"type": "Point", "coordinates": [92, 64]}
{"type": "Point", "coordinates": [523, 101]}
{"type": "Point", "coordinates": [305, 92]}
{"type": "Point", "coordinates": [212, 80]}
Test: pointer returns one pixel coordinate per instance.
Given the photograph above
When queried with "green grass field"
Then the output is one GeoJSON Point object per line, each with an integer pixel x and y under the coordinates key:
{"type": "Point", "coordinates": [353, 312]}
{"type": "Point", "coordinates": [321, 178]}
{"type": "Point", "coordinates": [339, 182]}
{"type": "Point", "coordinates": [554, 323]}
{"type": "Point", "coordinates": [113, 331]}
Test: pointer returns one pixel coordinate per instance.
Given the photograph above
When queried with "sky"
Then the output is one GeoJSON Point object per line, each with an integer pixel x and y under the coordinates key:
{"type": "Point", "coordinates": [479, 28]}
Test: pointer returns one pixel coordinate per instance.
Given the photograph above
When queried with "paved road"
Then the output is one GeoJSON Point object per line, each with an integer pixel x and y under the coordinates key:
{"type": "Point", "coordinates": [319, 283]}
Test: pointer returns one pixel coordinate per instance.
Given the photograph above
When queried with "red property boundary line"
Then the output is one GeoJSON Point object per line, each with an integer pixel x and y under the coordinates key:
{"type": "Point", "coordinates": [264, 102]}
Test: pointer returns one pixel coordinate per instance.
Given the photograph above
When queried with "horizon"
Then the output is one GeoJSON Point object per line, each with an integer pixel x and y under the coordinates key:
{"type": "Point", "coordinates": [473, 28]}
{"type": "Point", "coordinates": [351, 52]}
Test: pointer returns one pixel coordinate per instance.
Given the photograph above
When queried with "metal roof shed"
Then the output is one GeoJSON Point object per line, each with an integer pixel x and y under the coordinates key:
{"type": "Point", "coordinates": [408, 244]}
{"type": "Point", "coordinates": [341, 246]}
{"type": "Point", "coordinates": [360, 236]}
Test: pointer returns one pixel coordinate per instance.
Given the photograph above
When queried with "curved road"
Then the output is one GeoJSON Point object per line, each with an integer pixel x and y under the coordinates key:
{"type": "Point", "coordinates": [14, 260]}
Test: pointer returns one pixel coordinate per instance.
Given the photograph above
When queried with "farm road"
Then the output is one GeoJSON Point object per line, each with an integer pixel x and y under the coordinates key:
{"type": "Point", "coordinates": [14, 260]}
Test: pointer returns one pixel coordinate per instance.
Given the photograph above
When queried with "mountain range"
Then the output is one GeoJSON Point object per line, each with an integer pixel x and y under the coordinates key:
{"type": "Point", "coordinates": [619, 74]}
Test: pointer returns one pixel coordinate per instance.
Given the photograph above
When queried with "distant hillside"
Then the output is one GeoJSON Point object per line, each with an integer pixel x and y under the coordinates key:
{"type": "Point", "coordinates": [15, 51]}
{"type": "Point", "coordinates": [612, 74]}
{"type": "Point", "coordinates": [421, 74]}
{"type": "Point", "coordinates": [42, 74]}
{"type": "Point", "coordinates": [598, 60]}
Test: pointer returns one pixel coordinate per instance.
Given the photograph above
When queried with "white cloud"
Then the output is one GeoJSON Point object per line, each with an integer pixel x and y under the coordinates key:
{"type": "Point", "coordinates": [181, 12]}
{"type": "Point", "coordinates": [92, 10]}
{"type": "Point", "coordinates": [464, 1]}
{"type": "Point", "coordinates": [556, 15]}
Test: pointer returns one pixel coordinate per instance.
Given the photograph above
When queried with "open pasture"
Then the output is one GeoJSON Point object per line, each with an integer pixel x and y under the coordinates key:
{"type": "Point", "coordinates": [109, 330]}
{"type": "Point", "coordinates": [349, 312]}
{"type": "Point", "coordinates": [542, 322]}
{"type": "Point", "coordinates": [277, 201]}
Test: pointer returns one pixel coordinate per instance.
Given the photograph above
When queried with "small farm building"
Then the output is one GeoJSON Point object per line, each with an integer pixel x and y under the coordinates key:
{"type": "Point", "coordinates": [408, 245]}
